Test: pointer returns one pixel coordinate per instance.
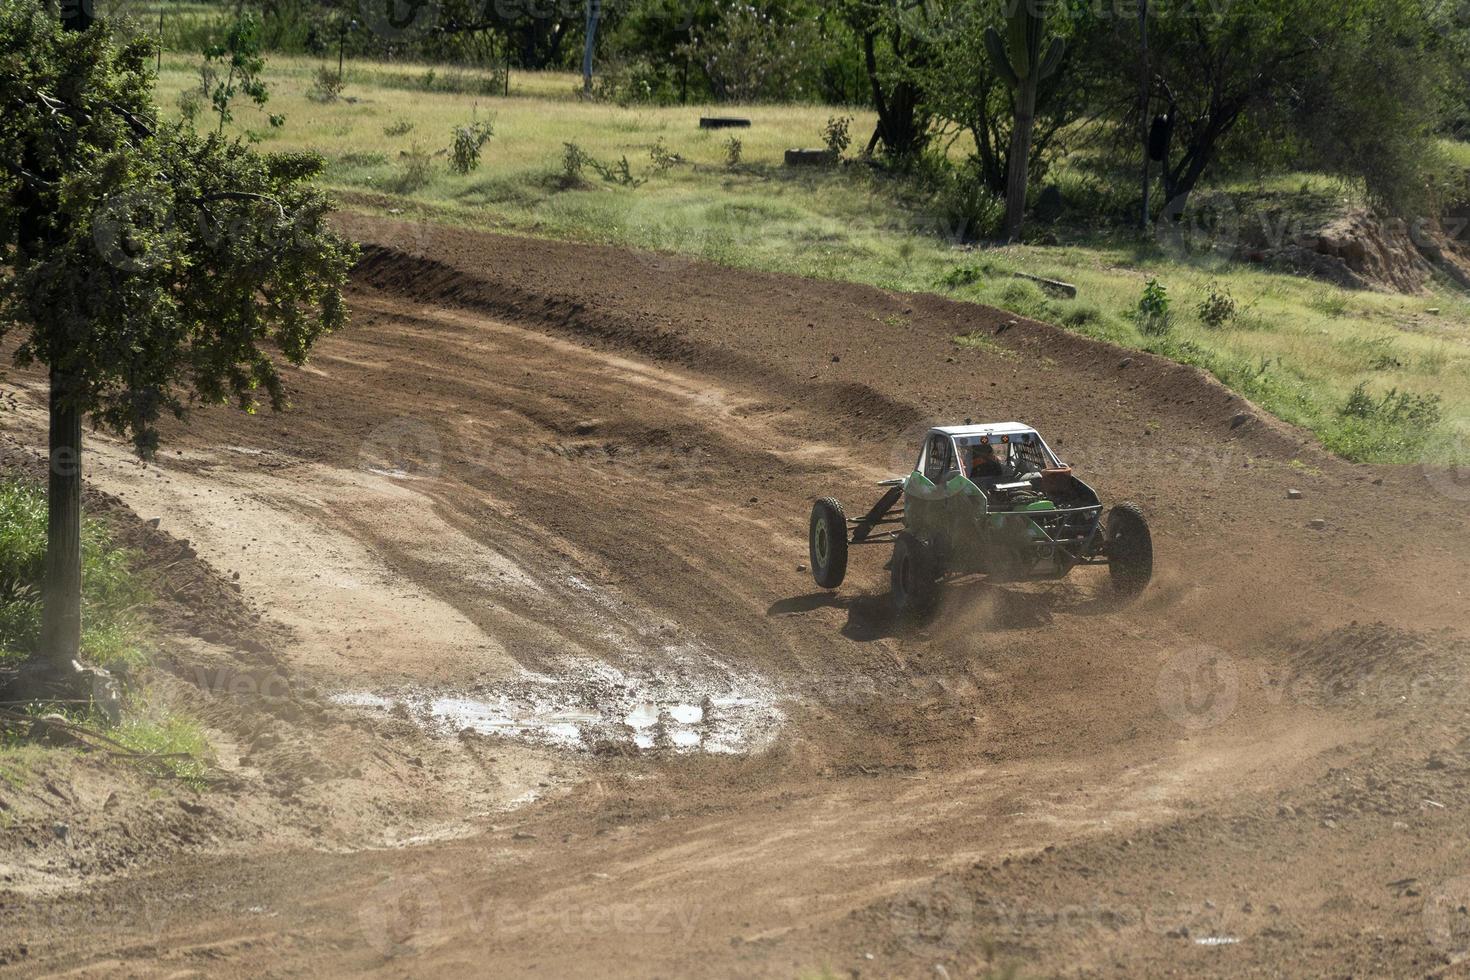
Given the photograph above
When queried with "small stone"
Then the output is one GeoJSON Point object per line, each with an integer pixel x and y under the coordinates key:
{"type": "Point", "coordinates": [61, 830]}
{"type": "Point", "coordinates": [522, 835]}
{"type": "Point", "coordinates": [1433, 311]}
{"type": "Point", "coordinates": [801, 568]}
{"type": "Point", "coordinates": [1239, 419]}
{"type": "Point", "coordinates": [1125, 362]}
{"type": "Point", "coordinates": [1286, 810]}
{"type": "Point", "coordinates": [1294, 495]}
{"type": "Point", "coordinates": [156, 521]}
{"type": "Point", "coordinates": [835, 358]}
{"type": "Point", "coordinates": [1317, 524]}
{"type": "Point", "coordinates": [1330, 824]}
{"type": "Point", "coordinates": [1400, 825]}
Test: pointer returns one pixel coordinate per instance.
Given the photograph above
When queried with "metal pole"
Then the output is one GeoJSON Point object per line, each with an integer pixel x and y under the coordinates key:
{"type": "Point", "coordinates": [1143, 103]}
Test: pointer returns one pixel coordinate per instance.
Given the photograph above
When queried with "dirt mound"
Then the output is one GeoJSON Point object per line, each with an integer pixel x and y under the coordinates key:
{"type": "Point", "coordinates": [807, 340]}
{"type": "Point", "coordinates": [1363, 251]}
{"type": "Point", "coordinates": [1378, 664]}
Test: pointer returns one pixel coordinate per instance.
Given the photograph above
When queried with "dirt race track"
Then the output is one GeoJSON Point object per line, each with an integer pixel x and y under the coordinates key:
{"type": "Point", "coordinates": [543, 688]}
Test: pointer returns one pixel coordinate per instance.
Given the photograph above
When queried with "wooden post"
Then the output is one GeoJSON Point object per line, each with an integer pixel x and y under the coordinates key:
{"type": "Point", "coordinates": [1143, 104]}
{"type": "Point", "coordinates": [61, 614]}
{"type": "Point", "coordinates": [61, 600]}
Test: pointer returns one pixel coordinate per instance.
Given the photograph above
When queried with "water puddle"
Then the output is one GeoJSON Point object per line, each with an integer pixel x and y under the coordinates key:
{"type": "Point", "coordinates": [594, 707]}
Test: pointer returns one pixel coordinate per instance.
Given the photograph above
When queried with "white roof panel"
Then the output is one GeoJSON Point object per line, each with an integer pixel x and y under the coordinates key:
{"type": "Point", "coordinates": [986, 429]}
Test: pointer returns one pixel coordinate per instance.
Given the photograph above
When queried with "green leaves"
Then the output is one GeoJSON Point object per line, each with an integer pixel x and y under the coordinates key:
{"type": "Point", "coordinates": [162, 268]}
{"type": "Point", "coordinates": [243, 62]}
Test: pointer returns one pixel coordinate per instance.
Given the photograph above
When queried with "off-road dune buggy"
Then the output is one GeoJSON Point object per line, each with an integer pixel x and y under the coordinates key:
{"type": "Point", "coordinates": [988, 499]}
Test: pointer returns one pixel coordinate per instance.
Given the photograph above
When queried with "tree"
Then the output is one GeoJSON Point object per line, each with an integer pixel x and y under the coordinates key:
{"type": "Point", "coordinates": [1024, 59]}
{"type": "Point", "coordinates": [967, 94]}
{"type": "Point", "coordinates": [897, 46]}
{"type": "Point", "coordinates": [150, 267]}
{"type": "Point", "coordinates": [1255, 62]}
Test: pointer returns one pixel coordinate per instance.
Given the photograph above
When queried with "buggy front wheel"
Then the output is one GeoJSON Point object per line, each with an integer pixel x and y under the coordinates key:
{"type": "Point", "coordinates": [827, 543]}
{"type": "Point", "coordinates": [1130, 550]}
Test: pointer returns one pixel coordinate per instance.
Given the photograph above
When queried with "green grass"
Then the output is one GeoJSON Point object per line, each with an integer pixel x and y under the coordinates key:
{"type": "Point", "coordinates": [114, 635]}
{"type": "Point", "coordinates": [178, 745]}
{"type": "Point", "coordinates": [113, 629]}
{"type": "Point", "coordinates": [1295, 345]}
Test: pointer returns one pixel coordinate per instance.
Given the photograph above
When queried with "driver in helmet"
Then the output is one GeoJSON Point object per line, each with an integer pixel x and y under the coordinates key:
{"type": "Point", "coordinates": [984, 465]}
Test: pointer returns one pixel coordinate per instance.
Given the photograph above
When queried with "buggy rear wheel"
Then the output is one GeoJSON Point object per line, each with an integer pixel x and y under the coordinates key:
{"type": "Point", "coordinates": [1130, 550]}
{"type": "Point", "coordinates": [913, 576]}
{"type": "Point", "coordinates": [827, 543]}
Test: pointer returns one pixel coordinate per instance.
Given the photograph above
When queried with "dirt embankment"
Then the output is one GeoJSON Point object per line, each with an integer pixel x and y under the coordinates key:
{"type": "Point", "coordinates": [536, 527]}
{"type": "Point", "coordinates": [1364, 251]}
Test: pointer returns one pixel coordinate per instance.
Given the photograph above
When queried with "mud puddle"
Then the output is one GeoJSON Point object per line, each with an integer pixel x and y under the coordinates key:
{"type": "Point", "coordinates": [590, 707]}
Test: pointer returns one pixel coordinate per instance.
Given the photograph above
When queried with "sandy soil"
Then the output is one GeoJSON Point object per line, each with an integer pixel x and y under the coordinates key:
{"type": "Point", "coordinates": [560, 698]}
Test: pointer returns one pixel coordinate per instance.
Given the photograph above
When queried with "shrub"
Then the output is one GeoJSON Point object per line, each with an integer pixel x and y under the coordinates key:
{"type": "Point", "coordinates": [1392, 428]}
{"type": "Point", "coordinates": [190, 104]}
{"type": "Point", "coordinates": [733, 148]}
{"type": "Point", "coordinates": [398, 127]}
{"type": "Point", "coordinates": [416, 170]}
{"type": "Point", "coordinates": [959, 277]}
{"type": "Point", "coordinates": [1153, 316]}
{"type": "Point", "coordinates": [111, 594]}
{"type": "Point", "coordinates": [1218, 307]}
{"type": "Point", "coordinates": [1395, 408]}
{"type": "Point", "coordinates": [962, 209]}
{"type": "Point", "coordinates": [1082, 315]}
{"type": "Point", "coordinates": [835, 135]}
{"type": "Point", "coordinates": [327, 87]}
{"type": "Point", "coordinates": [464, 152]}
{"type": "Point", "coordinates": [662, 157]}
{"type": "Point", "coordinates": [573, 159]}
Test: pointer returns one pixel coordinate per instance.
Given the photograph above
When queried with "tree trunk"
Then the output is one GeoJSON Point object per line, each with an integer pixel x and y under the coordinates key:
{"type": "Point", "coordinates": [1020, 160]}
{"type": "Point", "coordinates": [61, 616]}
{"type": "Point", "coordinates": [594, 14]}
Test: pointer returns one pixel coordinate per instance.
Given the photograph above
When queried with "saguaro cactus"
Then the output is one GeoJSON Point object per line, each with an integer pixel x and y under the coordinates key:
{"type": "Point", "coordinates": [1019, 59]}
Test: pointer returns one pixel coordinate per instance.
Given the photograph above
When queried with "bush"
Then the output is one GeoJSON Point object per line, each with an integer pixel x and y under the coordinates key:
{"type": "Point", "coordinates": [464, 153]}
{"type": "Point", "coordinates": [111, 594]}
{"type": "Point", "coordinates": [1392, 428]}
{"type": "Point", "coordinates": [1153, 316]}
{"type": "Point", "coordinates": [573, 159]}
{"type": "Point", "coordinates": [635, 82]}
{"type": "Point", "coordinates": [398, 127]}
{"type": "Point", "coordinates": [835, 136]}
{"type": "Point", "coordinates": [327, 87]}
{"type": "Point", "coordinates": [1218, 307]}
{"type": "Point", "coordinates": [961, 209]}
{"type": "Point", "coordinates": [190, 105]}
{"type": "Point", "coordinates": [662, 157]}
{"type": "Point", "coordinates": [416, 171]}
{"type": "Point", "coordinates": [733, 148]}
